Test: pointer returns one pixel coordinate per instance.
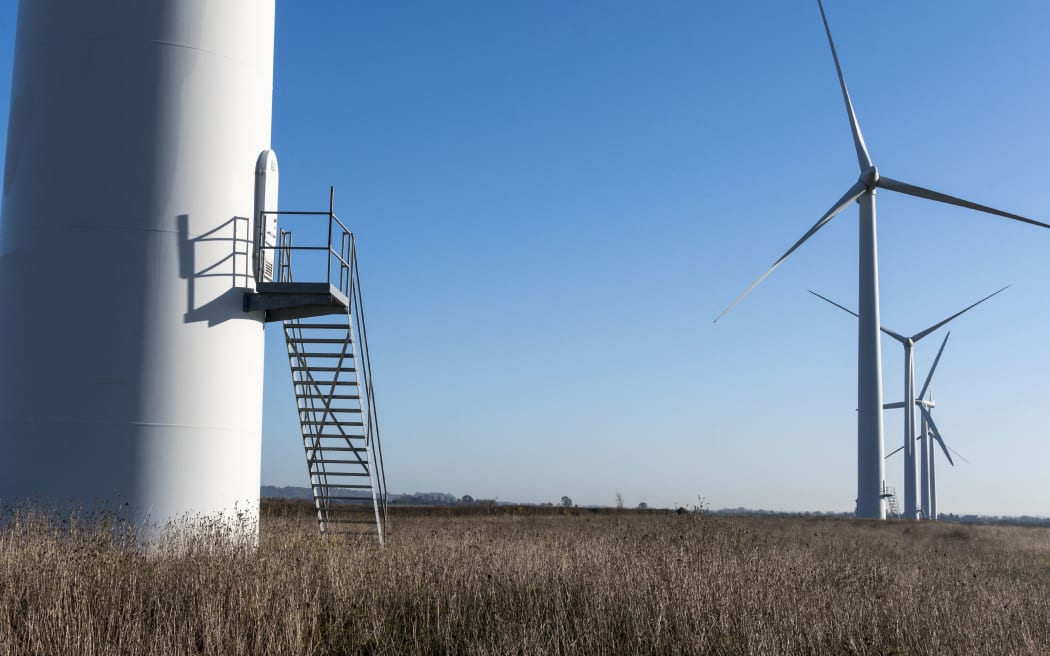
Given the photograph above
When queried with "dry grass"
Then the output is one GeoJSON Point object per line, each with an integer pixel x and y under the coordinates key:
{"type": "Point", "coordinates": [611, 583]}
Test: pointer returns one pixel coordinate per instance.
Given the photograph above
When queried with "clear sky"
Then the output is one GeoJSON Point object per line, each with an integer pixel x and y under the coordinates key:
{"type": "Point", "coordinates": [553, 200]}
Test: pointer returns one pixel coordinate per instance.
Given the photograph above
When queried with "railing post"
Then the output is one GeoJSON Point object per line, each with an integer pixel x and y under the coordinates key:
{"type": "Point", "coordinates": [331, 218]}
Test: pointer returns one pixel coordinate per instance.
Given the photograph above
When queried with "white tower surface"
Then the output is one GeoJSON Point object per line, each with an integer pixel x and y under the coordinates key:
{"type": "Point", "coordinates": [129, 373]}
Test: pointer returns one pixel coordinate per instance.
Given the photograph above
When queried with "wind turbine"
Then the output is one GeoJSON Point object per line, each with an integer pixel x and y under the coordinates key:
{"type": "Point", "coordinates": [929, 469]}
{"type": "Point", "coordinates": [929, 429]}
{"type": "Point", "coordinates": [932, 512]}
{"type": "Point", "coordinates": [869, 355]}
{"type": "Point", "coordinates": [911, 509]}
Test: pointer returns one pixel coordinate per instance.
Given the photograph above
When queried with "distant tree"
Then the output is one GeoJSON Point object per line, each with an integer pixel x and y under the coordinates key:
{"type": "Point", "coordinates": [566, 502]}
{"type": "Point", "coordinates": [643, 506]}
{"type": "Point", "coordinates": [619, 501]}
{"type": "Point", "coordinates": [701, 506]}
{"type": "Point", "coordinates": [467, 499]}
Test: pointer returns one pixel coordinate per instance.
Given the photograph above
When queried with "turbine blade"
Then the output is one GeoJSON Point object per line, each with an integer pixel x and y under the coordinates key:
{"type": "Point", "coordinates": [959, 455]}
{"type": "Point", "coordinates": [893, 406]}
{"type": "Point", "coordinates": [841, 307]}
{"type": "Point", "coordinates": [853, 194]}
{"type": "Point", "coordinates": [896, 336]}
{"type": "Point", "coordinates": [935, 326]}
{"type": "Point", "coordinates": [920, 192]}
{"type": "Point", "coordinates": [858, 139]}
{"type": "Point", "coordinates": [929, 376]}
{"type": "Point", "coordinates": [944, 447]}
{"type": "Point", "coordinates": [937, 435]}
{"type": "Point", "coordinates": [895, 451]}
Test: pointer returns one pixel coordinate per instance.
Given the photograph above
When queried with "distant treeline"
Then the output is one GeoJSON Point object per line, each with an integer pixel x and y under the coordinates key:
{"type": "Point", "coordinates": [446, 499]}
{"type": "Point", "coordinates": [414, 499]}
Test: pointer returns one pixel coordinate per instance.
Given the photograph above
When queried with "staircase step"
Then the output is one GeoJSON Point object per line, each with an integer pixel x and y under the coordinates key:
{"type": "Point", "coordinates": [330, 411]}
{"type": "Point", "coordinates": [359, 499]}
{"type": "Point", "coordinates": [313, 368]}
{"type": "Point", "coordinates": [330, 419]}
{"type": "Point", "coordinates": [346, 397]}
{"type": "Point", "coordinates": [319, 326]}
{"type": "Point", "coordinates": [346, 356]}
{"type": "Point", "coordinates": [356, 429]}
{"type": "Point", "coordinates": [327, 461]}
{"type": "Point", "coordinates": [311, 383]}
{"type": "Point", "coordinates": [316, 340]}
{"type": "Point", "coordinates": [344, 474]}
{"type": "Point", "coordinates": [328, 422]}
{"type": "Point", "coordinates": [360, 449]}
{"type": "Point", "coordinates": [349, 521]}
{"type": "Point", "coordinates": [343, 503]}
{"type": "Point", "coordinates": [341, 487]}
{"type": "Point", "coordinates": [350, 510]}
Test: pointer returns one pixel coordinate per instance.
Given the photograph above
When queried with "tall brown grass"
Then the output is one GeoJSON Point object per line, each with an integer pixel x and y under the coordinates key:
{"type": "Point", "coordinates": [612, 583]}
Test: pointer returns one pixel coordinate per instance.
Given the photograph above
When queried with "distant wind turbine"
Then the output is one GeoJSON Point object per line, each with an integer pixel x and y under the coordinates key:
{"type": "Point", "coordinates": [927, 482]}
{"type": "Point", "coordinates": [911, 508]}
{"type": "Point", "coordinates": [926, 437]}
{"type": "Point", "coordinates": [929, 429]}
{"type": "Point", "coordinates": [870, 447]}
{"type": "Point", "coordinates": [933, 512]}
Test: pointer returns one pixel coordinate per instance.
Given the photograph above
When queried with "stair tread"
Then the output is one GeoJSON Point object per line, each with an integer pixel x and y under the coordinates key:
{"type": "Point", "coordinates": [326, 369]}
{"type": "Point", "coordinates": [321, 354]}
{"type": "Point", "coordinates": [318, 326]}
{"type": "Point", "coordinates": [341, 486]}
{"type": "Point", "coordinates": [329, 436]}
{"type": "Point", "coordinates": [327, 474]}
{"type": "Point", "coordinates": [327, 461]}
{"type": "Point", "coordinates": [324, 382]}
{"type": "Point", "coordinates": [330, 423]}
{"type": "Point", "coordinates": [361, 499]}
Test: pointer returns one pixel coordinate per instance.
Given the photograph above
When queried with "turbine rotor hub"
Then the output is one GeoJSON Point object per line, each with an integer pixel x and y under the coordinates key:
{"type": "Point", "coordinates": [870, 178]}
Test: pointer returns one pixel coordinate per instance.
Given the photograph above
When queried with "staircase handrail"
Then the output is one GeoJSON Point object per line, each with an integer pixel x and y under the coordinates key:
{"type": "Point", "coordinates": [357, 300]}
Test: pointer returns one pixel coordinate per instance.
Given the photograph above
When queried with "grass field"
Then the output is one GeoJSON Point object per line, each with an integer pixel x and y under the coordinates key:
{"type": "Point", "coordinates": [534, 583]}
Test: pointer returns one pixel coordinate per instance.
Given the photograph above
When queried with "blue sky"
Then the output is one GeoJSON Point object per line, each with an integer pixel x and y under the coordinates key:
{"type": "Point", "coordinates": [554, 199]}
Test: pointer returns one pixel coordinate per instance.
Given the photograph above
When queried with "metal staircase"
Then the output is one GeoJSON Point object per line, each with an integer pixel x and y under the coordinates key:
{"type": "Point", "coordinates": [327, 345]}
{"type": "Point", "coordinates": [890, 495]}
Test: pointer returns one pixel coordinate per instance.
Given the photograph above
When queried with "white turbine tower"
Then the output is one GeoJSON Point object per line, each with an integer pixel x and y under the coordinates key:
{"type": "Point", "coordinates": [911, 509]}
{"type": "Point", "coordinates": [131, 377]}
{"type": "Point", "coordinates": [869, 355]}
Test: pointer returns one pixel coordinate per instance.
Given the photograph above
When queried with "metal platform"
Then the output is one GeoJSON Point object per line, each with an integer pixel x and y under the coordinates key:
{"type": "Point", "coordinates": [281, 301]}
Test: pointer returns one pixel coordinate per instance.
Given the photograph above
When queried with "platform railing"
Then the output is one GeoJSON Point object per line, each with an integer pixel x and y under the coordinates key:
{"type": "Point", "coordinates": [337, 247]}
